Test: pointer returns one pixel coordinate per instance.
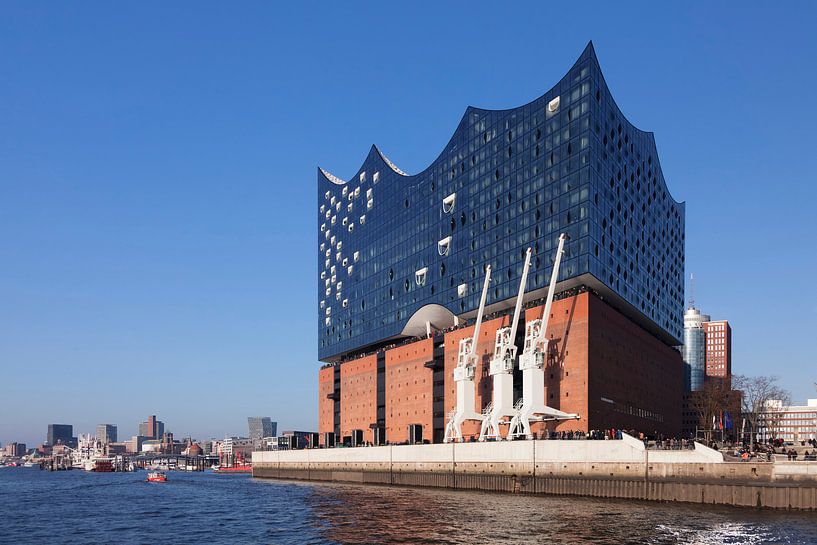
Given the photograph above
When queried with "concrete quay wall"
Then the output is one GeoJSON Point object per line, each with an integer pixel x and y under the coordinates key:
{"type": "Point", "coordinates": [608, 469]}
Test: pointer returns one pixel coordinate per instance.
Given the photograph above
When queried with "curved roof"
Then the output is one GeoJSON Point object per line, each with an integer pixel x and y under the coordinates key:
{"type": "Point", "coordinates": [437, 316]}
{"type": "Point", "coordinates": [589, 52]}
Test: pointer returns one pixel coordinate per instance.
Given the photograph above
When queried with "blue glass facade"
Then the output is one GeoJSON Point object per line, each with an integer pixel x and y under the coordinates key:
{"type": "Point", "coordinates": [694, 349]}
{"type": "Point", "coordinates": [391, 244]}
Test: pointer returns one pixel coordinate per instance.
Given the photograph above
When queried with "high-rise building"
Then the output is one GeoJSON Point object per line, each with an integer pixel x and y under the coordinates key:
{"type": "Point", "coordinates": [15, 450]}
{"type": "Point", "coordinates": [106, 433]}
{"type": "Point", "coordinates": [707, 354]}
{"type": "Point", "coordinates": [695, 348]}
{"type": "Point", "coordinates": [261, 426]}
{"type": "Point", "coordinates": [707, 348]}
{"type": "Point", "coordinates": [718, 349]}
{"type": "Point", "coordinates": [152, 428]}
{"type": "Point", "coordinates": [403, 257]}
{"type": "Point", "coordinates": [61, 434]}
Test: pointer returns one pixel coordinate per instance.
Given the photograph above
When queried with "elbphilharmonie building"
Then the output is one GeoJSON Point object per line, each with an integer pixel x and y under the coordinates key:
{"type": "Point", "coordinates": [402, 258]}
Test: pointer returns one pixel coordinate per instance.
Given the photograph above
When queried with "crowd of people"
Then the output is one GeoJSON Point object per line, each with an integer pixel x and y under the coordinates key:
{"type": "Point", "coordinates": [792, 455]}
{"type": "Point", "coordinates": [671, 443]}
{"type": "Point", "coordinates": [569, 435]}
{"type": "Point", "coordinates": [757, 452]}
{"type": "Point", "coordinates": [767, 452]}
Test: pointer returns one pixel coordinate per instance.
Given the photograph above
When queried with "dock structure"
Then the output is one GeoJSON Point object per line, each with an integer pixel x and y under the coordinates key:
{"type": "Point", "coordinates": [176, 461]}
{"type": "Point", "coordinates": [611, 469]}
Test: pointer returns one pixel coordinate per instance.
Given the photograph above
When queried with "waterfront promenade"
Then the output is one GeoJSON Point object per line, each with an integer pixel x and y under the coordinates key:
{"type": "Point", "coordinates": [610, 469]}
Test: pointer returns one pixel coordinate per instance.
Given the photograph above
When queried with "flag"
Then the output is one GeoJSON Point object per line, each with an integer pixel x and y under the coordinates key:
{"type": "Point", "coordinates": [720, 422]}
{"type": "Point", "coordinates": [727, 420]}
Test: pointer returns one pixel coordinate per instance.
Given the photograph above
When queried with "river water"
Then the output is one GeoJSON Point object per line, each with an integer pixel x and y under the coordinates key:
{"type": "Point", "coordinates": [78, 508]}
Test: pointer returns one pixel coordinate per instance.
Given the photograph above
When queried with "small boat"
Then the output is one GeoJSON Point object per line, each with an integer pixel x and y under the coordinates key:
{"type": "Point", "coordinates": [156, 477]}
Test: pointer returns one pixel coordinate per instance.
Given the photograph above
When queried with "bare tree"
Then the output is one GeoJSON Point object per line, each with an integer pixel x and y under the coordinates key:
{"type": "Point", "coordinates": [758, 393]}
{"type": "Point", "coordinates": [710, 403]}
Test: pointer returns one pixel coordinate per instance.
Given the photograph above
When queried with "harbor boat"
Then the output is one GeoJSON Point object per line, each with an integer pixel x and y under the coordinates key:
{"type": "Point", "coordinates": [88, 450]}
{"type": "Point", "coordinates": [156, 477]}
{"type": "Point", "coordinates": [28, 464]}
{"type": "Point", "coordinates": [103, 465]}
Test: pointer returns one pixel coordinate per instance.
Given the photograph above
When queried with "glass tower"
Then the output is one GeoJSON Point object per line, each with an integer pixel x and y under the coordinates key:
{"type": "Point", "coordinates": [261, 426]}
{"type": "Point", "coordinates": [107, 433]}
{"type": "Point", "coordinates": [695, 348]}
{"type": "Point", "coordinates": [398, 253]}
{"type": "Point", "coordinates": [60, 433]}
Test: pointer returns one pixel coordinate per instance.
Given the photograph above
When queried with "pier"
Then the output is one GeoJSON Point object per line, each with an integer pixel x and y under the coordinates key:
{"type": "Point", "coordinates": [610, 469]}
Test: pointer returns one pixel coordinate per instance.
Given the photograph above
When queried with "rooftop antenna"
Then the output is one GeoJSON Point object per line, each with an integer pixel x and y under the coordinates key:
{"type": "Point", "coordinates": [691, 290]}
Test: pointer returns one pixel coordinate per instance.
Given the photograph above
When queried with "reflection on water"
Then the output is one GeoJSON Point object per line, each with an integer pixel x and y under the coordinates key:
{"type": "Point", "coordinates": [372, 514]}
{"type": "Point", "coordinates": [75, 507]}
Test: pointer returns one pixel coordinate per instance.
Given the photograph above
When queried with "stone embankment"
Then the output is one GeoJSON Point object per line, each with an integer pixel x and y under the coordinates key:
{"type": "Point", "coordinates": [609, 469]}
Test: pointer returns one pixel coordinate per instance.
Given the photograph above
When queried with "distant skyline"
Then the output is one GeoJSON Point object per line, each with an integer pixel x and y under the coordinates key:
{"type": "Point", "coordinates": [158, 181]}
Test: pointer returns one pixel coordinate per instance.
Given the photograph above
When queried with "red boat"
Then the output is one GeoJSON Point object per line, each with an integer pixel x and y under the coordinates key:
{"type": "Point", "coordinates": [104, 465]}
{"type": "Point", "coordinates": [156, 477]}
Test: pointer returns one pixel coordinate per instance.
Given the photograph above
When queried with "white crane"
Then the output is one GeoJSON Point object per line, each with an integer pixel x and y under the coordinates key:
{"type": "Point", "coordinates": [502, 366]}
{"type": "Point", "coordinates": [532, 363]}
{"type": "Point", "coordinates": [464, 375]}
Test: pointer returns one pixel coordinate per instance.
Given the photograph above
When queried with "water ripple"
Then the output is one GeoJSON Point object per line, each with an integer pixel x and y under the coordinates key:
{"type": "Point", "coordinates": [77, 508]}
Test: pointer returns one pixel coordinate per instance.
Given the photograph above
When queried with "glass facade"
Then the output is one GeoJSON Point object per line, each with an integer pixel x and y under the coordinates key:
{"type": "Point", "coordinates": [695, 348]}
{"type": "Point", "coordinates": [261, 427]}
{"type": "Point", "coordinates": [390, 244]}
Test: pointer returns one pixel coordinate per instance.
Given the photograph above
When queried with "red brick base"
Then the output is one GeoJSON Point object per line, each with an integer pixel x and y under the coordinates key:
{"type": "Point", "coordinates": [602, 366]}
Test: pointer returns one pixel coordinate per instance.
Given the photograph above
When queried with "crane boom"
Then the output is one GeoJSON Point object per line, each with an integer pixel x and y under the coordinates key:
{"type": "Point", "coordinates": [501, 367]}
{"type": "Point", "coordinates": [532, 405]}
{"type": "Point", "coordinates": [481, 309]}
{"type": "Point", "coordinates": [464, 374]}
{"type": "Point", "coordinates": [552, 288]}
{"type": "Point", "coordinates": [519, 297]}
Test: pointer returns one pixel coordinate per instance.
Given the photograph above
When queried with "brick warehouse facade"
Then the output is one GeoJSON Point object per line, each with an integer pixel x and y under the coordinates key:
{"type": "Point", "coordinates": [601, 366]}
{"type": "Point", "coordinates": [401, 259]}
{"type": "Point", "coordinates": [358, 379]}
{"type": "Point", "coordinates": [409, 388]}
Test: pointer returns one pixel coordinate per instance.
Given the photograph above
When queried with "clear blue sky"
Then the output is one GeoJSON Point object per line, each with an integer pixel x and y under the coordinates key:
{"type": "Point", "coordinates": [158, 174]}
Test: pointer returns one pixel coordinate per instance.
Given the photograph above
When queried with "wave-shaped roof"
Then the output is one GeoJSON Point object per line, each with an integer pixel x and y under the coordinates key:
{"type": "Point", "coordinates": [375, 152]}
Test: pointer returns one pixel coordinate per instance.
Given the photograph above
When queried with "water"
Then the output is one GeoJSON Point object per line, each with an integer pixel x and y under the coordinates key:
{"type": "Point", "coordinates": [78, 508]}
